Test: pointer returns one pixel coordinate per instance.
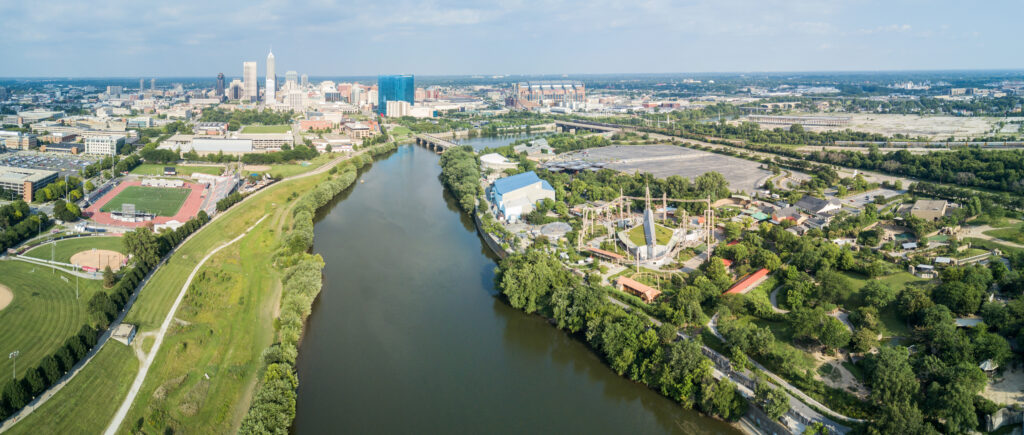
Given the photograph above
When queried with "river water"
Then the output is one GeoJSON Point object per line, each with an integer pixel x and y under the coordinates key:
{"type": "Point", "coordinates": [409, 334]}
{"type": "Point", "coordinates": [479, 143]}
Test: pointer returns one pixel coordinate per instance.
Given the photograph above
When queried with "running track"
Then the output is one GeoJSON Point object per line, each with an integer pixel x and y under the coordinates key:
{"type": "Point", "coordinates": [188, 209]}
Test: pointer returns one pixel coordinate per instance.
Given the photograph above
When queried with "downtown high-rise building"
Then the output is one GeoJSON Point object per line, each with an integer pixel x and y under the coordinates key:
{"type": "Point", "coordinates": [249, 81]}
{"type": "Point", "coordinates": [291, 79]}
{"type": "Point", "coordinates": [141, 83]}
{"type": "Point", "coordinates": [394, 88]}
{"type": "Point", "coordinates": [271, 95]}
{"type": "Point", "coordinates": [220, 85]}
{"type": "Point", "coordinates": [304, 80]}
{"type": "Point", "coordinates": [152, 84]}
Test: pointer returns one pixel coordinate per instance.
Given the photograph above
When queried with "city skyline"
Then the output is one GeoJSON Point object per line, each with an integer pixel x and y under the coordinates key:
{"type": "Point", "coordinates": [516, 38]}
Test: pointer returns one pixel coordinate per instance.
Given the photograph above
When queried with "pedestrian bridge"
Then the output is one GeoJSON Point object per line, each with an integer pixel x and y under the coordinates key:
{"type": "Point", "coordinates": [597, 127]}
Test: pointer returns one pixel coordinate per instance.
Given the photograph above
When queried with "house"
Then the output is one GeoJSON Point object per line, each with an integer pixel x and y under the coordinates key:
{"type": "Point", "coordinates": [515, 196]}
{"type": "Point", "coordinates": [788, 213]}
{"type": "Point", "coordinates": [815, 205]}
{"type": "Point", "coordinates": [929, 210]}
{"type": "Point", "coordinates": [644, 292]}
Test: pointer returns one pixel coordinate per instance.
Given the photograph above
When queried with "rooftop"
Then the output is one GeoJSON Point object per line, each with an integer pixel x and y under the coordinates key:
{"type": "Point", "coordinates": [508, 184]}
{"type": "Point", "coordinates": [10, 174]}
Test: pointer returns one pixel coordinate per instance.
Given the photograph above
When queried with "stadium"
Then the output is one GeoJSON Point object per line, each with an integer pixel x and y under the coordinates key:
{"type": "Point", "coordinates": [156, 201]}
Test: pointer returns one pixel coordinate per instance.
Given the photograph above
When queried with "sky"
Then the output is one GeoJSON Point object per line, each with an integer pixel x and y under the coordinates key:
{"type": "Point", "coordinates": [179, 38]}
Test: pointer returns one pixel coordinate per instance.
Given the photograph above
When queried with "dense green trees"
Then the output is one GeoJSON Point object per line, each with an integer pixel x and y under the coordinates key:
{"type": "Point", "coordinates": [460, 173]}
{"type": "Point", "coordinates": [238, 118]}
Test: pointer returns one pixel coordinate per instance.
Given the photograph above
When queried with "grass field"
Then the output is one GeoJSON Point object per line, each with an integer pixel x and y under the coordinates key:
{"type": "Point", "coordinates": [164, 201]}
{"type": "Point", "coordinates": [1013, 234]}
{"type": "Point", "coordinates": [224, 342]}
{"type": "Point", "coordinates": [266, 129]}
{"type": "Point", "coordinates": [661, 233]}
{"type": "Point", "coordinates": [98, 387]}
{"type": "Point", "coordinates": [66, 248]}
{"type": "Point", "coordinates": [42, 315]}
{"type": "Point", "coordinates": [890, 319]}
{"type": "Point", "coordinates": [288, 170]}
{"type": "Point", "coordinates": [988, 244]}
{"type": "Point", "coordinates": [151, 169]}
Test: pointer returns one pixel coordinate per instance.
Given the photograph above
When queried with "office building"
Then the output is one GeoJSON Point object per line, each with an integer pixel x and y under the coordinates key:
{"type": "Point", "coordinates": [291, 80]}
{"type": "Point", "coordinates": [62, 148]}
{"type": "Point", "coordinates": [266, 141]}
{"type": "Point", "coordinates": [24, 182]}
{"type": "Point", "coordinates": [114, 91]}
{"type": "Point", "coordinates": [16, 140]}
{"type": "Point", "coordinates": [397, 109]}
{"type": "Point", "coordinates": [249, 81]}
{"type": "Point", "coordinates": [271, 79]}
{"type": "Point", "coordinates": [304, 80]}
{"type": "Point", "coordinates": [141, 84]}
{"type": "Point", "coordinates": [152, 84]}
{"type": "Point", "coordinates": [236, 90]}
{"type": "Point", "coordinates": [394, 88]}
{"type": "Point", "coordinates": [4, 94]}
{"type": "Point", "coordinates": [103, 145]}
{"type": "Point", "coordinates": [220, 84]}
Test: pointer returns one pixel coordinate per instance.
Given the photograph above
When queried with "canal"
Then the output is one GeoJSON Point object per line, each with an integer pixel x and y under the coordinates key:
{"type": "Point", "coordinates": [409, 334]}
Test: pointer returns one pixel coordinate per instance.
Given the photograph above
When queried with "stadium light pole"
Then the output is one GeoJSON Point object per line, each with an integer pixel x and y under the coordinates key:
{"type": "Point", "coordinates": [14, 370]}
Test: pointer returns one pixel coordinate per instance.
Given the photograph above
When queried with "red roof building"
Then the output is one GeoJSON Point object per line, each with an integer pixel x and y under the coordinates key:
{"type": "Point", "coordinates": [748, 283]}
{"type": "Point", "coordinates": [631, 286]}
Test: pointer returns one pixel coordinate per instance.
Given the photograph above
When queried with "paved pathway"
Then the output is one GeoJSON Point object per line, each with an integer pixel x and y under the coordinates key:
{"type": "Point", "coordinates": [775, 303]}
{"type": "Point", "coordinates": [978, 231]}
{"type": "Point", "coordinates": [126, 405]}
{"type": "Point", "coordinates": [59, 266]}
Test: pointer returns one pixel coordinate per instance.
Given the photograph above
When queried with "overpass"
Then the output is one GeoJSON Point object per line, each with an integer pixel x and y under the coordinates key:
{"type": "Point", "coordinates": [434, 143]}
{"type": "Point", "coordinates": [597, 127]}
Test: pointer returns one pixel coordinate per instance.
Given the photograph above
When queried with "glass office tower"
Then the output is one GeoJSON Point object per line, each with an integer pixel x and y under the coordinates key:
{"type": "Point", "coordinates": [394, 88]}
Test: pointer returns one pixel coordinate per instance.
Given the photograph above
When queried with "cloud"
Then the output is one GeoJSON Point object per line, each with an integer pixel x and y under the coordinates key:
{"type": "Point", "coordinates": [892, 28]}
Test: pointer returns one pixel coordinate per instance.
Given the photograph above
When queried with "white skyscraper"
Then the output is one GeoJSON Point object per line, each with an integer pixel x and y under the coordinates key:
{"type": "Point", "coordinates": [291, 79]}
{"type": "Point", "coordinates": [249, 81]}
{"type": "Point", "coordinates": [271, 79]}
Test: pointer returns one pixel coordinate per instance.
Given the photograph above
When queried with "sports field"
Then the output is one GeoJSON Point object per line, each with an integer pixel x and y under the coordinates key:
{"type": "Point", "coordinates": [66, 248]}
{"type": "Point", "coordinates": [266, 129]}
{"type": "Point", "coordinates": [163, 201]}
{"type": "Point", "coordinates": [42, 314]}
{"type": "Point", "coordinates": [152, 169]}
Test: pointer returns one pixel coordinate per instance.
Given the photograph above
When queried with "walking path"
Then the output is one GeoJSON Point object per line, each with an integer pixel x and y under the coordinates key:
{"type": "Point", "coordinates": [979, 232]}
{"type": "Point", "coordinates": [59, 266]}
{"type": "Point", "coordinates": [775, 303]}
{"type": "Point", "coordinates": [115, 423]}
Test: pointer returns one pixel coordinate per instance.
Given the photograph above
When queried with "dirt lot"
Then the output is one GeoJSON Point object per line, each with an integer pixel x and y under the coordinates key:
{"type": "Point", "coordinates": [933, 127]}
{"type": "Point", "coordinates": [99, 259]}
{"type": "Point", "coordinates": [665, 160]}
{"type": "Point", "coordinates": [1007, 390]}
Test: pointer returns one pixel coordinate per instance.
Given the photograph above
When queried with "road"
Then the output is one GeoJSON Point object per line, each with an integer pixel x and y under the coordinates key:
{"type": "Point", "coordinates": [126, 405]}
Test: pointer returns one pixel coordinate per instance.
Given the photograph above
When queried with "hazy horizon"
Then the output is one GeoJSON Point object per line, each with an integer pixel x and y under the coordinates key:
{"type": "Point", "coordinates": [442, 38]}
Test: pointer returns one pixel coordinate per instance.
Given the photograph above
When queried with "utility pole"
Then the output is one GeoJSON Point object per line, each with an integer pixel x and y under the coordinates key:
{"type": "Point", "coordinates": [76, 286]}
{"type": "Point", "coordinates": [53, 249]}
{"type": "Point", "coordinates": [14, 370]}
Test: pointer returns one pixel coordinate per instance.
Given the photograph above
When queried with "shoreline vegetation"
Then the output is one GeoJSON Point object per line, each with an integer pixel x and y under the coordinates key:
{"type": "Point", "coordinates": [273, 405]}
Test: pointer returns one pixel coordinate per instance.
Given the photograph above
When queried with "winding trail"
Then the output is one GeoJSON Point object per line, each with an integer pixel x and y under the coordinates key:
{"type": "Point", "coordinates": [115, 423]}
{"type": "Point", "coordinates": [775, 303]}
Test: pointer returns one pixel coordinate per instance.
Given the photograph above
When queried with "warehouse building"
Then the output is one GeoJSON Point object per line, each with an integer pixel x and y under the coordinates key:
{"type": "Point", "coordinates": [515, 196]}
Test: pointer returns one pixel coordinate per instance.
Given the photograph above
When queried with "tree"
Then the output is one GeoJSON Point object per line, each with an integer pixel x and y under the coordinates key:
{"type": "Point", "coordinates": [720, 398]}
{"type": "Point", "coordinates": [15, 395]}
{"type": "Point", "coordinates": [890, 376]}
{"type": "Point", "coordinates": [142, 244]}
{"type": "Point", "coordinates": [738, 360]}
{"type": "Point", "coordinates": [108, 277]}
{"type": "Point", "coordinates": [773, 401]}
{"type": "Point", "coordinates": [834, 333]}
{"type": "Point", "coordinates": [716, 272]}
{"type": "Point", "coordinates": [878, 294]}
{"type": "Point", "coordinates": [733, 231]}
{"type": "Point", "coordinates": [960, 297]}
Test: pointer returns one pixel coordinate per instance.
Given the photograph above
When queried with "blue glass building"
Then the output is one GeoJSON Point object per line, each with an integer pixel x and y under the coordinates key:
{"type": "Point", "coordinates": [394, 88]}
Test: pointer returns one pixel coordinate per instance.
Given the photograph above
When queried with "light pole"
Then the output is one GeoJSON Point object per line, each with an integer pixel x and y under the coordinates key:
{"type": "Point", "coordinates": [14, 356]}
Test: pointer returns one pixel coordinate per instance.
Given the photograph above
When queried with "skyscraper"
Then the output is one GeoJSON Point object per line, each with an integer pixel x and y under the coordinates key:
{"type": "Point", "coordinates": [394, 88]}
{"type": "Point", "coordinates": [141, 82]}
{"type": "Point", "coordinates": [249, 81]}
{"type": "Point", "coordinates": [220, 85]}
{"type": "Point", "coordinates": [152, 84]}
{"type": "Point", "coordinates": [304, 80]}
{"type": "Point", "coordinates": [291, 79]}
{"type": "Point", "coordinates": [271, 79]}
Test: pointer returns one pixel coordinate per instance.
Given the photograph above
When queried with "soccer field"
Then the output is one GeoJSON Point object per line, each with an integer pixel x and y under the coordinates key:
{"type": "Point", "coordinates": [163, 201]}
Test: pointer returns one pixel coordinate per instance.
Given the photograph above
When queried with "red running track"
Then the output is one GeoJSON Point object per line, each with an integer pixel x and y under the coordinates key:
{"type": "Point", "coordinates": [188, 210]}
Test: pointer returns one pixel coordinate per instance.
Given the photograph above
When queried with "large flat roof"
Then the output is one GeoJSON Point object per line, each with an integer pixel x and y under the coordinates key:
{"type": "Point", "coordinates": [11, 174]}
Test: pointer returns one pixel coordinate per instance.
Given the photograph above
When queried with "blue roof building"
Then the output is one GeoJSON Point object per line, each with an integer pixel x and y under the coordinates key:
{"type": "Point", "coordinates": [516, 195]}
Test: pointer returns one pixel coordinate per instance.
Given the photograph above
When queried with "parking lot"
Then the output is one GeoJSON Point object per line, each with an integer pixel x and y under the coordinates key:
{"type": "Point", "coordinates": [65, 165]}
{"type": "Point", "coordinates": [665, 160]}
{"type": "Point", "coordinates": [860, 199]}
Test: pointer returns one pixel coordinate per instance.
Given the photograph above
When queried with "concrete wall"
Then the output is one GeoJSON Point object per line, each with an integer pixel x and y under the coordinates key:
{"type": "Point", "coordinates": [1003, 417]}
{"type": "Point", "coordinates": [488, 239]}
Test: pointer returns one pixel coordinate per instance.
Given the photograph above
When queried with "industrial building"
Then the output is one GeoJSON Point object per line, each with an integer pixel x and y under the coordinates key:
{"type": "Point", "coordinates": [515, 196]}
{"type": "Point", "coordinates": [929, 210]}
{"type": "Point", "coordinates": [25, 182]}
{"type": "Point", "coordinates": [546, 93]}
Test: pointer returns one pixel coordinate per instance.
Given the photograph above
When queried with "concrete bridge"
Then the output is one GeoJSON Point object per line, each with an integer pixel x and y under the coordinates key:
{"type": "Point", "coordinates": [597, 127]}
{"type": "Point", "coordinates": [434, 143]}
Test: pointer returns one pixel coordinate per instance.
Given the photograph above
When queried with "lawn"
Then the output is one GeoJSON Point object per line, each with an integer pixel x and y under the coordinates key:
{"type": "Point", "coordinates": [1013, 234]}
{"type": "Point", "coordinates": [86, 404]}
{"type": "Point", "coordinates": [66, 248]}
{"type": "Point", "coordinates": [152, 169]}
{"type": "Point", "coordinates": [163, 201]}
{"type": "Point", "coordinates": [290, 169]}
{"type": "Point", "coordinates": [284, 128]}
{"type": "Point", "coordinates": [42, 315]}
{"type": "Point", "coordinates": [895, 327]}
{"type": "Point", "coordinates": [400, 132]}
{"type": "Point", "coordinates": [661, 233]}
{"type": "Point", "coordinates": [988, 244]}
